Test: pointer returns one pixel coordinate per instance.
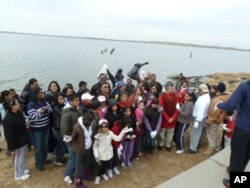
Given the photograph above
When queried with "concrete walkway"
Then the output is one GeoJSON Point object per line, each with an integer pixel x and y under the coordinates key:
{"type": "Point", "coordinates": [207, 174]}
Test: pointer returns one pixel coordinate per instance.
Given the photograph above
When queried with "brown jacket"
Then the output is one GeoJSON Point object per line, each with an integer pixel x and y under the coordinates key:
{"type": "Point", "coordinates": [216, 116]}
{"type": "Point", "coordinates": [78, 137]}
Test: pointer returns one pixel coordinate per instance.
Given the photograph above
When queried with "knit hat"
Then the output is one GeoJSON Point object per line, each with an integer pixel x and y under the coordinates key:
{"type": "Point", "coordinates": [101, 98]}
{"type": "Point", "coordinates": [95, 104]}
{"type": "Point", "coordinates": [112, 102]}
{"type": "Point", "coordinates": [204, 88]}
{"type": "Point", "coordinates": [102, 121]}
{"type": "Point", "coordinates": [221, 87]}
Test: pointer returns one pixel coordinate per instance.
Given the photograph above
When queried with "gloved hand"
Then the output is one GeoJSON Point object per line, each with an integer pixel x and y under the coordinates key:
{"type": "Point", "coordinates": [196, 125]}
{"type": "Point", "coordinates": [119, 151]}
{"type": "Point", "coordinates": [153, 134]}
{"type": "Point", "coordinates": [98, 136]}
{"type": "Point", "coordinates": [126, 130]}
{"type": "Point", "coordinates": [224, 127]}
{"type": "Point", "coordinates": [178, 106]}
{"type": "Point", "coordinates": [67, 138]}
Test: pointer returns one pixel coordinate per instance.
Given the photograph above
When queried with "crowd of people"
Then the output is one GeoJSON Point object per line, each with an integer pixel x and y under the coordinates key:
{"type": "Point", "coordinates": [107, 127]}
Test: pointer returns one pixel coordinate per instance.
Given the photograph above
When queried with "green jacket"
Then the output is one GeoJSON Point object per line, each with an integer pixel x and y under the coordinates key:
{"type": "Point", "coordinates": [68, 119]}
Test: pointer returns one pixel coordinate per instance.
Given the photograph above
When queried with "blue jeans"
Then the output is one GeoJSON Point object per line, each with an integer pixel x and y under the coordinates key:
{"type": "Point", "coordinates": [61, 148]}
{"type": "Point", "coordinates": [149, 143]}
{"type": "Point", "coordinates": [40, 140]}
{"type": "Point", "coordinates": [71, 163]}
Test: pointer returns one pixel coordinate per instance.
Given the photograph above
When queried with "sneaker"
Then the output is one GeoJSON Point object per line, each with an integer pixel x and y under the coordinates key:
{"type": "Point", "coordinates": [179, 151]}
{"type": "Point", "coordinates": [23, 177]}
{"type": "Point", "coordinates": [68, 180]}
{"type": "Point", "coordinates": [26, 171]}
{"type": "Point", "coordinates": [105, 177]}
{"type": "Point", "coordinates": [130, 165]}
{"type": "Point", "coordinates": [58, 163]}
{"type": "Point", "coordinates": [116, 171]}
{"type": "Point", "coordinates": [97, 180]}
{"type": "Point", "coordinates": [168, 149]}
{"type": "Point", "coordinates": [226, 182]}
{"type": "Point", "coordinates": [110, 174]}
{"type": "Point", "coordinates": [123, 165]}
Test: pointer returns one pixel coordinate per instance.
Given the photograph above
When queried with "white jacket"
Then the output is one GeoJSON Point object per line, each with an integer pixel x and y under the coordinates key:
{"type": "Point", "coordinates": [201, 107]}
{"type": "Point", "coordinates": [103, 149]}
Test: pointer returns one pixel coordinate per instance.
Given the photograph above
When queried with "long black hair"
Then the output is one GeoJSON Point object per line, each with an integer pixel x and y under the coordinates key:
{"type": "Point", "coordinates": [54, 82]}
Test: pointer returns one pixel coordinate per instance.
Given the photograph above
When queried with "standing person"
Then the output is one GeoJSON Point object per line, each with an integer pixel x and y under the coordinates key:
{"type": "Point", "coordinates": [183, 120]}
{"type": "Point", "coordinates": [200, 112]}
{"type": "Point", "coordinates": [152, 121]}
{"type": "Point", "coordinates": [52, 91]}
{"type": "Point", "coordinates": [152, 82]}
{"type": "Point", "coordinates": [103, 150]}
{"type": "Point", "coordinates": [240, 150]}
{"type": "Point", "coordinates": [181, 93]}
{"type": "Point", "coordinates": [85, 104]}
{"type": "Point", "coordinates": [16, 135]}
{"type": "Point", "coordinates": [113, 113]}
{"type": "Point", "coordinates": [66, 92]}
{"type": "Point", "coordinates": [96, 87]}
{"type": "Point", "coordinates": [168, 101]}
{"type": "Point", "coordinates": [229, 127]}
{"type": "Point", "coordinates": [82, 135]}
{"type": "Point", "coordinates": [213, 91]}
{"type": "Point", "coordinates": [70, 114]}
{"type": "Point", "coordinates": [25, 96]}
{"type": "Point", "coordinates": [61, 148]}
{"type": "Point", "coordinates": [104, 107]}
{"type": "Point", "coordinates": [83, 88]}
{"type": "Point", "coordinates": [38, 111]}
{"type": "Point", "coordinates": [130, 87]}
{"type": "Point", "coordinates": [215, 118]}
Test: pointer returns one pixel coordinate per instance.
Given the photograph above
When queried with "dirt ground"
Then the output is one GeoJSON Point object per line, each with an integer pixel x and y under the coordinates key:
{"type": "Point", "coordinates": [148, 171]}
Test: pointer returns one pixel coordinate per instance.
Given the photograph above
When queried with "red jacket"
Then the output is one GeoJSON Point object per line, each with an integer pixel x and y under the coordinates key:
{"type": "Point", "coordinates": [230, 126]}
{"type": "Point", "coordinates": [116, 129]}
{"type": "Point", "coordinates": [168, 101]}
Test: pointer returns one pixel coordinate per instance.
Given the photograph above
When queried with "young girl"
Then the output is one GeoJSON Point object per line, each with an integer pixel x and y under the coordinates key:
{"type": "Point", "coordinates": [138, 131]}
{"type": "Point", "coordinates": [128, 143]}
{"type": "Point", "coordinates": [17, 138]}
{"type": "Point", "coordinates": [183, 121]}
{"type": "Point", "coordinates": [103, 150]}
{"type": "Point", "coordinates": [56, 116]}
{"type": "Point", "coordinates": [152, 121]}
{"type": "Point", "coordinates": [103, 108]}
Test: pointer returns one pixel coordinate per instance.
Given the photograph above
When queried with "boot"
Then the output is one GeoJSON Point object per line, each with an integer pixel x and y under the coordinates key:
{"type": "Point", "coordinates": [208, 151]}
{"type": "Point", "coordinates": [87, 175]}
{"type": "Point", "coordinates": [79, 183]}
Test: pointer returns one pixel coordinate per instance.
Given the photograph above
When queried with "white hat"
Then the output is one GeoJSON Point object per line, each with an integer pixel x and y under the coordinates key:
{"type": "Point", "coordinates": [87, 96]}
{"type": "Point", "coordinates": [204, 88]}
{"type": "Point", "coordinates": [102, 121]}
{"type": "Point", "coordinates": [101, 98]}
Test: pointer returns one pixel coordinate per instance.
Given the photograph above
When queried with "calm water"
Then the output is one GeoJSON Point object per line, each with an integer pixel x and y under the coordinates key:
{"type": "Point", "coordinates": [71, 59]}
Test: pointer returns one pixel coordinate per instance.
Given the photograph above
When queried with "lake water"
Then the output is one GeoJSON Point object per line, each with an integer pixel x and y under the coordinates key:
{"type": "Point", "coordinates": [72, 59]}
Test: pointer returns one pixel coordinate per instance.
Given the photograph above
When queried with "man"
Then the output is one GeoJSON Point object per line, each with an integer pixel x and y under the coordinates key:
{"type": "Point", "coordinates": [215, 118]}
{"type": "Point", "coordinates": [82, 88]}
{"type": "Point", "coordinates": [130, 87]}
{"type": "Point", "coordinates": [85, 105]}
{"type": "Point", "coordinates": [25, 96]}
{"type": "Point", "coordinates": [240, 150]}
{"type": "Point", "coordinates": [168, 101]}
{"type": "Point", "coordinates": [200, 112]}
{"type": "Point", "coordinates": [152, 82]}
{"type": "Point", "coordinates": [70, 115]}
{"type": "Point", "coordinates": [96, 87]}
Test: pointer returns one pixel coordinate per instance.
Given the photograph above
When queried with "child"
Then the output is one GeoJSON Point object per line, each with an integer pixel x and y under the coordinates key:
{"type": "Point", "coordinates": [152, 121]}
{"type": "Point", "coordinates": [138, 131]}
{"type": "Point", "coordinates": [229, 128]}
{"type": "Point", "coordinates": [103, 150]}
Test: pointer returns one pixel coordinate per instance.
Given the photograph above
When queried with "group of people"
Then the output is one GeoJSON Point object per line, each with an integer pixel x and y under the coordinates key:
{"type": "Point", "coordinates": [110, 125]}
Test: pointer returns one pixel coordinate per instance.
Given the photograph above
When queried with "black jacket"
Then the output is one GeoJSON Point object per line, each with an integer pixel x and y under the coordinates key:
{"type": "Point", "coordinates": [15, 130]}
{"type": "Point", "coordinates": [56, 116]}
{"type": "Point", "coordinates": [111, 117]}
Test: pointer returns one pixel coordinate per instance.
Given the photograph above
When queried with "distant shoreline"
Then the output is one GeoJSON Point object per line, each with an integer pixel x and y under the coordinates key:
{"type": "Point", "coordinates": [134, 41]}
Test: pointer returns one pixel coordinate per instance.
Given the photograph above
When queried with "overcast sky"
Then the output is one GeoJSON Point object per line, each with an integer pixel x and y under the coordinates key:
{"type": "Point", "coordinates": [208, 22]}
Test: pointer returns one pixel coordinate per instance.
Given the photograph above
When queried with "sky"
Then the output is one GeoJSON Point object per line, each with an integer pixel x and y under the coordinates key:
{"type": "Point", "coordinates": [206, 22]}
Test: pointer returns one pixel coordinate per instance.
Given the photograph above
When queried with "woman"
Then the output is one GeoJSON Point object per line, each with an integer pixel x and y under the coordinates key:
{"type": "Point", "coordinates": [53, 90]}
{"type": "Point", "coordinates": [38, 111]}
{"type": "Point", "coordinates": [17, 138]}
{"type": "Point", "coordinates": [183, 120]}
